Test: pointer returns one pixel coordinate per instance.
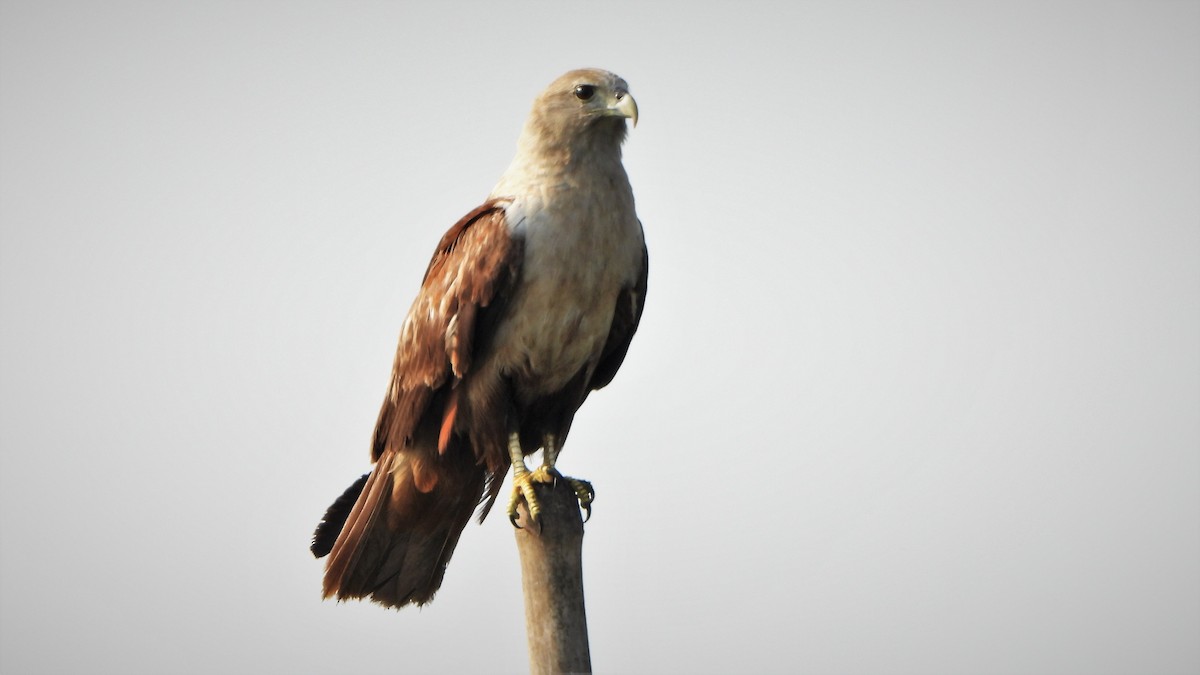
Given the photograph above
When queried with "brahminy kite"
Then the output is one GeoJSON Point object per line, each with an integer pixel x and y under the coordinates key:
{"type": "Point", "coordinates": [529, 304]}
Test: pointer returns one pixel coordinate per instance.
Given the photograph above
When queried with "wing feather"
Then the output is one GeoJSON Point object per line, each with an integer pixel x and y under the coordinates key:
{"type": "Point", "coordinates": [626, 317]}
{"type": "Point", "coordinates": [473, 269]}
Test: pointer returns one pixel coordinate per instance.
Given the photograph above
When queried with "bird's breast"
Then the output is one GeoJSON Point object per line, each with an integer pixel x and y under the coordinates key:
{"type": "Point", "coordinates": [578, 256]}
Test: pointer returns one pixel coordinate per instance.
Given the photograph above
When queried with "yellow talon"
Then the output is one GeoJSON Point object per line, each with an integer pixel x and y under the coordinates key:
{"type": "Point", "coordinates": [523, 480]}
{"type": "Point", "coordinates": [523, 487]}
{"type": "Point", "coordinates": [585, 493]}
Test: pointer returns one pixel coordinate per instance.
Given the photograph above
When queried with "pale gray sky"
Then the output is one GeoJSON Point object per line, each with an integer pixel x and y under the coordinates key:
{"type": "Point", "coordinates": [917, 389]}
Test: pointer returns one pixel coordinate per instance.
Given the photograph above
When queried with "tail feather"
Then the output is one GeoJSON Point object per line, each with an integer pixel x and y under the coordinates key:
{"type": "Point", "coordinates": [335, 517]}
{"type": "Point", "coordinates": [397, 539]}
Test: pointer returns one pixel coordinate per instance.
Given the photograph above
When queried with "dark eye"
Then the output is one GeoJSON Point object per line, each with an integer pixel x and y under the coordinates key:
{"type": "Point", "coordinates": [584, 92]}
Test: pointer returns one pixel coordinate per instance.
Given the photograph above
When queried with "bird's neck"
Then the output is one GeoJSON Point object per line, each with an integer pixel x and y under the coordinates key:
{"type": "Point", "coordinates": [546, 158]}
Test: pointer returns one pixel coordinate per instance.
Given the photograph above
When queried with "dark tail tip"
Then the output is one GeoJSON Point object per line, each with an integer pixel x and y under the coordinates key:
{"type": "Point", "coordinates": [335, 517]}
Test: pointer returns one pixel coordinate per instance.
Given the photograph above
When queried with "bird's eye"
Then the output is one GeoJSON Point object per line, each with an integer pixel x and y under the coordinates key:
{"type": "Point", "coordinates": [584, 92]}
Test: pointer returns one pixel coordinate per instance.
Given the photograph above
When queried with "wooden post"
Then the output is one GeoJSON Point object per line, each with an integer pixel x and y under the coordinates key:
{"type": "Point", "coordinates": [552, 576]}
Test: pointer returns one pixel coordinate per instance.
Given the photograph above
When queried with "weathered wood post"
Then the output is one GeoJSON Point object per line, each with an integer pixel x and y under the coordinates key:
{"type": "Point", "coordinates": [552, 576]}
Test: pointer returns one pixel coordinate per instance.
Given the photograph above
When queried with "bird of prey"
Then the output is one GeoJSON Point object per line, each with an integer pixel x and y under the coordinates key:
{"type": "Point", "coordinates": [528, 305]}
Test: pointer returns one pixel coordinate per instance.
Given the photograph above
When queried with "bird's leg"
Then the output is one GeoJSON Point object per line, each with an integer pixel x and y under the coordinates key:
{"type": "Point", "coordinates": [522, 482]}
{"type": "Point", "coordinates": [523, 478]}
{"type": "Point", "coordinates": [547, 473]}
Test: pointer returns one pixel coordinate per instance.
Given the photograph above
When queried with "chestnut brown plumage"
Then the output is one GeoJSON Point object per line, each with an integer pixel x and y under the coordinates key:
{"type": "Point", "coordinates": [529, 304]}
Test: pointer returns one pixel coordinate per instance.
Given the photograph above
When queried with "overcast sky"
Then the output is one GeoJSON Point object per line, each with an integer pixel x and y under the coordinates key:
{"type": "Point", "coordinates": [917, 389]}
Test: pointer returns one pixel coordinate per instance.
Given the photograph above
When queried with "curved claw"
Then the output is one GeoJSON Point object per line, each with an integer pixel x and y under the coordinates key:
{"type": "Point", "coordinates": [523, 487]}
{"type": "Point", "coordinates": [514, 518]}
{"type": "Point", "coordinates": [585, 493]}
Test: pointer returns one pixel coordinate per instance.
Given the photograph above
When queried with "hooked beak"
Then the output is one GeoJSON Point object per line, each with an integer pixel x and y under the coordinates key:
{"type": "Point", "coordinates": [624, 106]}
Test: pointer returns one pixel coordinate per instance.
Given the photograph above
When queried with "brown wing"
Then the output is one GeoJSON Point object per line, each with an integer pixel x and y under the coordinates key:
{"type": "Point", "coordinates": [475, 264]}
{"type": "Point", "coordinates": [626, 318]}
{"type": "Point", "coordinates": [394, 542]}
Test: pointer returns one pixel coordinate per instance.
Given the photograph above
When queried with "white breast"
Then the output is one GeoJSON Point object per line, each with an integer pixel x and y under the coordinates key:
{"type": "Point", "coordinates": [581, 248]}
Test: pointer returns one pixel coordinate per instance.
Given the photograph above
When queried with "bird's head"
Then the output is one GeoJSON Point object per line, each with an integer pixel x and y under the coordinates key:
{"type": "Point", "coordinates": [582, 105]}
{"type": "Point", "coordinates": [590, 94]}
